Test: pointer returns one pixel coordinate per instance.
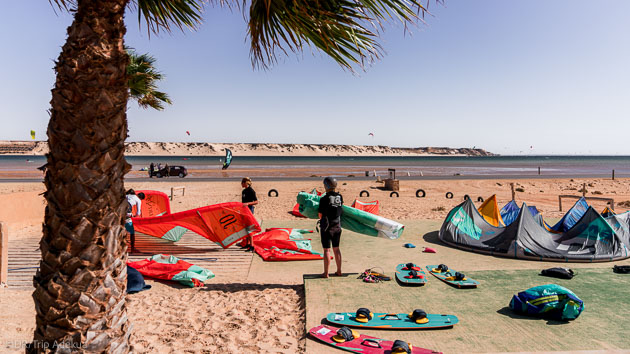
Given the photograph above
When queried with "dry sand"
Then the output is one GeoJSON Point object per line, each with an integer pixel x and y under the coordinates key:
{"type": "Point", "coordinates": [264, 313]}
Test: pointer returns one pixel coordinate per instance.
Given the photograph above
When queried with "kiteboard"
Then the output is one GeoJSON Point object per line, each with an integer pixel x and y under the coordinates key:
{"type": "Point", "coordinates": [360, 344]}
{"type": "Point", "coordinates": [452, 277]}
{"type": "Point", "coordinates": [421, 320]}
{"type": "Point", "coordinates": [410, 274]}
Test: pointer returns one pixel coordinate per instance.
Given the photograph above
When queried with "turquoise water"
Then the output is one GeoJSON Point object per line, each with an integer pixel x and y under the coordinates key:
{"type": "Point", "coordinates": [425, 165]}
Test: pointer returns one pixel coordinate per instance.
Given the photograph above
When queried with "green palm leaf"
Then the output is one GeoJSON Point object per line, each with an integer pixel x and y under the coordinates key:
{"type": "Point", "coordinates": [143, 78]}
{"type": "Point", "coordinates": [345, 30]}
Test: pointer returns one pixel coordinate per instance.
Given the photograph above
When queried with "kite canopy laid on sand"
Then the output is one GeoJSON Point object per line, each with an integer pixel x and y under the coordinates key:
{"type": "Point", "coordinates": [277, 244]}
{"type": "Point", "coordinates": [224, 223]}
{"type": "Point", "coordinates": [163, 266]}
{"type": "Point", "coordinates": [228, 159]}
{"type": "Point", "coordinates": [582, 235]}
{"type": "Point", "coordinates": [353, 219]}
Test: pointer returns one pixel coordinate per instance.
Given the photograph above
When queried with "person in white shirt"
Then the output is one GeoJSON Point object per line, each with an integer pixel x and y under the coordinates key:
{"type": "Point", "coordinates": [133, 200]}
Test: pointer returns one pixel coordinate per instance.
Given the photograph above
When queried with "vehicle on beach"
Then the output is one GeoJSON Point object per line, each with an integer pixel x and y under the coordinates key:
{"type": "Point", "coordinates": [179, 171]}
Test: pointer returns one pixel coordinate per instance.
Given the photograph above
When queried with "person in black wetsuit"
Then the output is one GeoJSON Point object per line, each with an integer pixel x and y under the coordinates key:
{"type": "Point", "coordinates": [249, 195]}
{"type": "Point", "coordinates": [248, 198]}
{"type": "Point", "coordinates": [330, 210]}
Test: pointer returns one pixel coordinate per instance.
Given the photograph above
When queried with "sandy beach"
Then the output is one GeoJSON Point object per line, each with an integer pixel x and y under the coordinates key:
{"type": "Point", "coordinates": [264, 311]}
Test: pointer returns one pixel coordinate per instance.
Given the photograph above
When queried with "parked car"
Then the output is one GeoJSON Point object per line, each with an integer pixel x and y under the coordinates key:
{"type": "Point", "coordinates": [180, 171]}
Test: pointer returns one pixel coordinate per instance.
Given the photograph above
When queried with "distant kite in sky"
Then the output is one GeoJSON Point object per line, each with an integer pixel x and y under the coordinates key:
{"type": "Point", "coordinates": [32, 134]}
{"type": "Point", "coordinates": [187, 132]}
{"type": "Point", "coordinates": [228, 159]}
{"type": "Point", "coordinates": [371, 134]}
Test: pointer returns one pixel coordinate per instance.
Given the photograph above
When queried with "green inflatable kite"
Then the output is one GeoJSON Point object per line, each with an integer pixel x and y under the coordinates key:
{"type": "Point", "coordinates": [353, 219]}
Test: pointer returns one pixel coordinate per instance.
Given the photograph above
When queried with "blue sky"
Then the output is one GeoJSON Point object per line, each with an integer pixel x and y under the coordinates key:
{"type": "Point", "coordinates": [495, 74]}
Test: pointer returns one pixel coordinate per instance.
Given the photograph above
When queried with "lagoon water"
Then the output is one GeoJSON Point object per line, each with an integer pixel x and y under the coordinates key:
{"type": "Point", "coordinates": [416, 166]}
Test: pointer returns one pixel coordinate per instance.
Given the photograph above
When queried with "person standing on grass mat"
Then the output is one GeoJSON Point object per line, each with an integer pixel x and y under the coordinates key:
{"type": "Point", "coordinates": [133, 199]}
{"type": "Point", "coordinates": [330, 210]}
{"type": "Point", "coordinates": [249, 199]}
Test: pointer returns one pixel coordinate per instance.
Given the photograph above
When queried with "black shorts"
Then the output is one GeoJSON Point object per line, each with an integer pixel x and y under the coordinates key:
{"type": "Point", "coordinates": [331, 234]}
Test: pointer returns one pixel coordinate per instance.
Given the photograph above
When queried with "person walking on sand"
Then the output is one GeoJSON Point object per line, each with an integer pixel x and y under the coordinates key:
{"type": "Point", "coordinates": [133, 200]}
{"type": "Point", "coordinates": [248, 198]}
{"type": "Point", "coordinates": [330, 210]}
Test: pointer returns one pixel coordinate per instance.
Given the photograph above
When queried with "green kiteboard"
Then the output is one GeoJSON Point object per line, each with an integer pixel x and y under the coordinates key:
{"type": "Point", "coordinates": [392, 321]}
{"type": "Point", "coordinates": [406, 276]}
{"type": "Point", "coordinates": [449, 277]}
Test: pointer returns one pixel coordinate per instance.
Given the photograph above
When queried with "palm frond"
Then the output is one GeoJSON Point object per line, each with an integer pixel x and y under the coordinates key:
{"type": "Point", "coordinates": [346, 30]}
{"type": "Point", "coordinates": [63, 4]}
{"type": "Point", "coordinates": [142, 82]}
{"type": "Point", "coordinates": [162, 14]}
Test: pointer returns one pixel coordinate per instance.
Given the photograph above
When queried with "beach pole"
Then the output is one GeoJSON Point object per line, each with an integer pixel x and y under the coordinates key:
{"type": "Point", "coordinates": [560, 202]}
{"type": "Point", "coordinates": [539, 170]}
{"type": "Point", "coordinates": [513, 192]}
{"type": "Point", "coordinates": [4, 254]}
{"type": "Point", "coordinates": [613, 175]}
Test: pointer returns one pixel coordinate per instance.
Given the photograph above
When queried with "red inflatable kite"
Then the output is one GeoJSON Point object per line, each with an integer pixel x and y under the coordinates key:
{"type": "Point", "coordinates": [370, 207]}
{"type": "Point", "coordinates": [285, 245]}
{"type": "Point", "coordinates": [224, 223]}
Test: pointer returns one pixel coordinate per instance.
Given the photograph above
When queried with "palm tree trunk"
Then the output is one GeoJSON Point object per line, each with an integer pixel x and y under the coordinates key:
{"type": "Point", "coordinates": [80, 286]}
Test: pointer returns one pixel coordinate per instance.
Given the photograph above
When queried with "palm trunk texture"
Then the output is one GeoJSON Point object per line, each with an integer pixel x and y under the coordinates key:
{"type": "Point", "coordinates": [81, 282]}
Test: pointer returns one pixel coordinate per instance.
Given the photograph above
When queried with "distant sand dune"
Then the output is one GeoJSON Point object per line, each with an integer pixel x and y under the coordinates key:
{"type": "Point", "coordinates": [252, 149]}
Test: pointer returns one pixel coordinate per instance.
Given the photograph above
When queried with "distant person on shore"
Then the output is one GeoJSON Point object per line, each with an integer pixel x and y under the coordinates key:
{"type": "Point", "coordinates": [133, 200]}
{"type": "Point", "coordinates": [151, 168]}
{"type": "Point", "coordinates": [330, 210]}
{"type": "Point", "coordinates": [168, 173]}
{"type": "Point", "coordinates": [248, 198]}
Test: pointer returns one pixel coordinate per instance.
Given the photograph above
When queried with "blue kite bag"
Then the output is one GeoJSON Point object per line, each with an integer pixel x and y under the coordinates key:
{"type": "Point", "coordinates": [551, 300]}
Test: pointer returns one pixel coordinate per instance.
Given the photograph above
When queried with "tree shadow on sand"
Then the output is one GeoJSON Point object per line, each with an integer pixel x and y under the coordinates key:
{"type": "Point", "coordinates": [237, 287]}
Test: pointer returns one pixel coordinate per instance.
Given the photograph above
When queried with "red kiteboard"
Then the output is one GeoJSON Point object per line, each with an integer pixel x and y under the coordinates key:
{"type": "Point", "coordinates": [363, 344]}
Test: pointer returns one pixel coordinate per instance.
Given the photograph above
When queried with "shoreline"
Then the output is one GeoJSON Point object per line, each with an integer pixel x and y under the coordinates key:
{"type": "Point", "coordinates": [317, 179]}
